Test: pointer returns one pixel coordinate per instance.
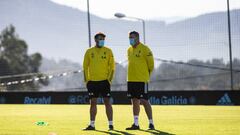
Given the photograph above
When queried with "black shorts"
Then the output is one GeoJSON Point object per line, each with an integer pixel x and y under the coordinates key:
{"type": "Point", "coordinates": [137, 90]}
{"type": "Point", "coordinates": [97, 88]}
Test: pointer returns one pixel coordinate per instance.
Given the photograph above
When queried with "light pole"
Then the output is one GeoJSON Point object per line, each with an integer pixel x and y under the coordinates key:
{"type": "Point", "coordinates": [89, 24]}
{"type": "Point", "coordinates": [121, 15]}
{"type": "Point", "coordinates": [230, 44]}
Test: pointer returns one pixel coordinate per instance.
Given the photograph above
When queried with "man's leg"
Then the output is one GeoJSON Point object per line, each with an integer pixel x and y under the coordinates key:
{"type": "Point", "coordinates": [133, 93]}
{"type": "Point", "coordinates": [109, 112]}
{"type": "Point", "coordinates": [93, 113]}
{"type": "Point", "coordinates": [106, 94]}
{"type": "Point", "coordinates": [93, 109]}
{"type": "Point", "coordinates": [93, 104]}
{"type": "Point", "coordinates": [136, 111]}
{"type": "Point", "coordinates": [147, 107]}
{"type": "Point", "coordinates": [148, 110]}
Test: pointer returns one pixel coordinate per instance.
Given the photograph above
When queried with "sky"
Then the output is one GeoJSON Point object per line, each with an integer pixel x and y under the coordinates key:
{"type": "Point", "coordinates": [151, 9]}
{"type": "Point", "coordinates": [167, 10]}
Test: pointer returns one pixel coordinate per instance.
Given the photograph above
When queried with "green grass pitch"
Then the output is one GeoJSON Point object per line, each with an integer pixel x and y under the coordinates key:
{"type": "Point", "coordinates": [71, 119]}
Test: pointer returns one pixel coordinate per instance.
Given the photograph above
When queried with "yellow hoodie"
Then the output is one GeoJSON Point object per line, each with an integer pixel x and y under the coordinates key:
{"type": "Point", "coordinates": [98, 64]}
{"type": "Point", "coordinates": [140, 63]}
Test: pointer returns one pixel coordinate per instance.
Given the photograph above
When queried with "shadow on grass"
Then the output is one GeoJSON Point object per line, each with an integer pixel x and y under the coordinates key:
{"type": "Point", "coordinates": [153, 132]}
{"type": "Point", "coordinates": [107, 132]}
{"type": "Point", "coordinates": [156, 132]}
{"type": "Point", "coordinates": [111, 132]}
{"type": "Point", "coordinates": [123, 132]}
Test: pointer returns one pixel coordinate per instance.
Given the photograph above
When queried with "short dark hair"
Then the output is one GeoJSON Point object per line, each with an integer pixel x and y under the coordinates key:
{"type": "Point", "coordinates": [134, 32]}
{"type": "Point", "coordinates": [99, 34]}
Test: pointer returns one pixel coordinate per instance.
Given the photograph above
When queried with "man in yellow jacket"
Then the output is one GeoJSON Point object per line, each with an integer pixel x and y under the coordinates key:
{"type": "Point", "coordinates": [140, 67]}
{"type": "Point", "coordinates": [99, 67]}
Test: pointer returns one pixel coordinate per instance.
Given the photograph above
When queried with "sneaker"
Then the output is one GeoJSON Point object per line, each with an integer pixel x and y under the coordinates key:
{"type": "Point", "coordinates": [151, 127]}
{"type": "Point", "coordinates": [110, 127]}
{"type": "Point", "coordinates": [89, 128]}
{"type": "Point", "coordinates": [133, 127]}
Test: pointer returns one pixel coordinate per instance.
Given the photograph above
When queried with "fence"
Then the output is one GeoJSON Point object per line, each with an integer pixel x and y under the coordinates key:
{"type": "Point", "coordinates": [199, 52]}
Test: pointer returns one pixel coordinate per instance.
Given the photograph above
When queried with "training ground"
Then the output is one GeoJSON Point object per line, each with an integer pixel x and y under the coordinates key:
{"type": "Point", "coordinates": [71, 119]}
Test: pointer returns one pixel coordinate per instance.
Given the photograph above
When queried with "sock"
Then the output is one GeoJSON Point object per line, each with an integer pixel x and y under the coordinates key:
{"type": "Point", "coordinates": [92, 123]}
{"type": "Point", "coordinates": [136, 120]}
{"type": "Point", "coordinates": [151, 121]}
{"type": "Point", "coordinates": [110, 122]}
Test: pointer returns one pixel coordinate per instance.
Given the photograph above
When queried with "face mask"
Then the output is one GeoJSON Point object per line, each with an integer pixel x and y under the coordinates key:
{"type": "Point", "coordinates": [132, 41]}
{"type": "Point", "coordinates": [101, 43]}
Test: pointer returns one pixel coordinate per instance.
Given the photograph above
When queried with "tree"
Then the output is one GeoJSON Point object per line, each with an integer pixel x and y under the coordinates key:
{"type": "Point", "coordinates": [14, 59]}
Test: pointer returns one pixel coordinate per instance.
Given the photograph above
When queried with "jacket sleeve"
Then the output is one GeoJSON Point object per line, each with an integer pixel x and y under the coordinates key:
{"type": "Point", "coordinates": [86, 62]}
{"type": "Point", "coordinates": [150, 60]}
{"type": "Point", "coordinates": [111, 67]}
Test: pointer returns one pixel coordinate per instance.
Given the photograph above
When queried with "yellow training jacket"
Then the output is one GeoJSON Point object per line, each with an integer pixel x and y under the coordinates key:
{"type": "Point", "coordinates": [140, 63]}
{"type": "Point", "coordinates": [98, 64]}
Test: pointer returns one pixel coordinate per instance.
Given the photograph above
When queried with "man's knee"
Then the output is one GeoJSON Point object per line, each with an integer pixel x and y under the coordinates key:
{"type": "Point", "coordinates": [144, 102]}
{"type": "Point", "coordinates": [107, 101]}
{"type": "Point", "coordinates": [135, 101]}
{"type": "Point", "coordinates": [93, 101]}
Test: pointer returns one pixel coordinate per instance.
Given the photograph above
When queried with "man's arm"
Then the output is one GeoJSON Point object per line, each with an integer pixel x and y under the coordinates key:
{"type": "Point", "coordinates": [86, 62]}
{"type": "Point", "coordinates": [111, 67]}
{"type": "Point", "coordinates": [150, 60]}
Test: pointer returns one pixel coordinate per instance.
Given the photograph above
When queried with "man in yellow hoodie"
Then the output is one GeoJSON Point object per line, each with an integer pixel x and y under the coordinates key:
{"type": "Point", "coordinates": [99, 67]}
{"type": "Point", "coordinates": [140, 67]}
